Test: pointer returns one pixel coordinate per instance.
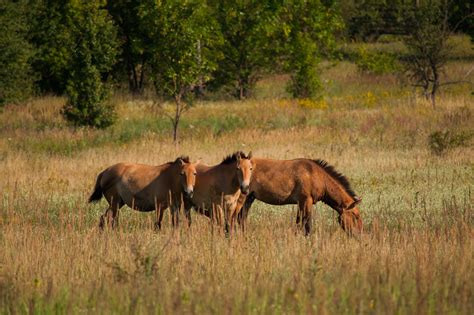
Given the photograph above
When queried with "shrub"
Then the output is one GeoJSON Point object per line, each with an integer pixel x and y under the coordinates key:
{"type": "Point", "coordinates": [94, 51]}
{"type": "Point", "coordinates": [442, 141]}
{"type": "Point", "coordinates": [85, 106]}
{"type": "Point", "coordinates": [15, 72]}
{"type": "Point", "coordinates": [376, 62]}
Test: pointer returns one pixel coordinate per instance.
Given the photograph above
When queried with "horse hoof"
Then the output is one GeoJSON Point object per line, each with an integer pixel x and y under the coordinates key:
{"type": "Point", "coordinates": [157, 226]}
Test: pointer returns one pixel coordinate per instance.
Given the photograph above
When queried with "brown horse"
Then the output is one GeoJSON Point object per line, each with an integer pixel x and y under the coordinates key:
{"type": "Point", "coordinates": [219, 187]}
{"type": "Point", "coordinates": [303, 182]}
{"type": "Point", "coordinates": [145, 188]}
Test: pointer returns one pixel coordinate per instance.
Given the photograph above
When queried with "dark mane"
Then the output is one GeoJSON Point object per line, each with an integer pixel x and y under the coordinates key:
{"type": "Point", "coordinates": [340, 178]}
{"type": "Point", "coordinates": [183, 158]}
{"type": "Point", "coordinates": [233, 157]}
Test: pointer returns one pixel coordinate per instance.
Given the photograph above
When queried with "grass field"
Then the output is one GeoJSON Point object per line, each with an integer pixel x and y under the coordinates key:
{"type": "Point", "coordinates": [415, 257]}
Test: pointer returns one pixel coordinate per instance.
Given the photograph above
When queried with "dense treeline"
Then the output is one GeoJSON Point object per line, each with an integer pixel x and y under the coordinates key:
{"type": "Point", "coordinates": [181, 49]}
{"type": "Point", "coordinates": [369, 19]}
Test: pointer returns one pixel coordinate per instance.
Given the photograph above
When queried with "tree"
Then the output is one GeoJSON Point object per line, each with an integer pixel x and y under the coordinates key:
{"type": "Point", "coordinates": [428, 29]}
{"type": "Point", "coordinates": [247, 28]}
{"type": "Point", "coordinates": [183, 37]}
{"type": "Point", "coordinates": [16, 77]}
{"type": "Point", "coordinates": [51, 37]}
{"type": "Point", "coordinates": [369, 19]}
{"type": "Point", "coordinates": [93, 52]}
{"type": "Point", "coordinates": [134, 49]}
{"type": "Point", "coordinates": [308, 29]}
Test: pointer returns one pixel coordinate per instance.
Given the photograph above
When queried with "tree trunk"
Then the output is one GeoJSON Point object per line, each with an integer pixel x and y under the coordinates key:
{"type": "Point", "coordinates": [435, 85]}
{"type": "Point", "coordinates": [177, 116]}
{"type": "Point", "coordinates": [175, 131]}
{"type": "Point", "coordinates": [142, 76]}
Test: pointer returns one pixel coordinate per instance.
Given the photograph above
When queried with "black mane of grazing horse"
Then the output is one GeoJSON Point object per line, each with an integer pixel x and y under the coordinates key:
{"type": "Point", "coordinates": [339, 177]}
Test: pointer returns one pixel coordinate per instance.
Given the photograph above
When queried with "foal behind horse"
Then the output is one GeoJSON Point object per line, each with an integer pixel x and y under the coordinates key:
{"type": "Point", "coordinates": [218, 188]}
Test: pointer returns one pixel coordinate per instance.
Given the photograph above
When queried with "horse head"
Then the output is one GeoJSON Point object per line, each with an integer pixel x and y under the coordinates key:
{"type": "Point", "coordinates": [188, 176]}
{"type": "Point", "coordinates": [349, 218]}
{"type": "Point", "coordinates": [244, 170]}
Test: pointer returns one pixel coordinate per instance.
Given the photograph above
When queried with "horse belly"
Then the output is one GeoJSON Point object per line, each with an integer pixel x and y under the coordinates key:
{"type": "Point", "coordinates": [275, 198]}
{"type": "Point", "coordinates": [138, 202]}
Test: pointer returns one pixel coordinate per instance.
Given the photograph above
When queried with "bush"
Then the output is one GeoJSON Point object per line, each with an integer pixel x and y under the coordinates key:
{"type": "Point", "coordinates": [442, 141]}
{"type": "Point", "coordinates": [85, 106]}
{"type": "Point", "coordinates": [376, 62]}
{"type": "Point", "coordinates": [94, 52]}
{"type": "Point", "coordinates": [16, 80]}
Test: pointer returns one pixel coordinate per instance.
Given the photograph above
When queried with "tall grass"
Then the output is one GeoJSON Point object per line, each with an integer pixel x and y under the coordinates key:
{"type": "Point", "coordinates": [415, 257]}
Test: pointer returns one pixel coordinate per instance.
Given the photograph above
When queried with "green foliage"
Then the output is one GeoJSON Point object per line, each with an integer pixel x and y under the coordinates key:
{"type": "Point", "coordinates": [376, 62]}
{"type": "Point", "coordinates": [369, 19]}
{"type": "Point", "coordinates": [51, 37]}
{"type": "Point", "coordinates": [461, 17]}
{"type": "Point", "coordinates": [134, 46]}
{"type": "Point", "coordinates": [183, 38]}
{"type": "Point", "coordinates": [16, 76]}
{"type": "Point", "coordinates": [428, 48]}
{"type": "Point", "coordinates": [182, 52]}
{"type": "Point", "coordinates": [248, 27]}
{"type": "Point", "coordinates": [305, 82]}
{"type": "Point", "coordinates": [441, 141]}
{"type": "Point", "coordinates": [93, 42]}
{"type": "Point", "coordinates": [308, 29]}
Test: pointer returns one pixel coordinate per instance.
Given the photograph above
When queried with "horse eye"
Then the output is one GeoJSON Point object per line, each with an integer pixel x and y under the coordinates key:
{"type": "Point", "coordinates": [251, 168]}
{"type": "Point", "coordinates": [182, 173]}
{"type": "Point", "coordinates": [194, 173]}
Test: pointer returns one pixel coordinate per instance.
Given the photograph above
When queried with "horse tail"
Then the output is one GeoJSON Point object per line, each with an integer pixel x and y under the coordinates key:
{"type": "Point", "coordinates": [97, 193]}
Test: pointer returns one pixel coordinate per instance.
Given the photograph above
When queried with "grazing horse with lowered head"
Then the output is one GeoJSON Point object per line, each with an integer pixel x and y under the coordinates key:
{"type": "Point", "coordinates": [302, 182]}
{"type": "Point", "coordinates": [218, 188]}
{"type": "Point", "coordinates": [145, 188]}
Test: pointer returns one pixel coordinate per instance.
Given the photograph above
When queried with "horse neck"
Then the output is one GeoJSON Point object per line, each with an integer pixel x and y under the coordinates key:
{"type": "Point", "coordinates": [227, 176]}
{"type": "Point", "coordinates": [173, 175]}
{"type": "Point", "coordinates": [335, 195]}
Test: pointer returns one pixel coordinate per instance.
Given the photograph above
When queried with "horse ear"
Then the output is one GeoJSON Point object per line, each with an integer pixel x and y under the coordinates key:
{"type": "Point", "coordinates": [357, 200]}
{"type": "Point", "coordinates": [181, 162]}
{"type": "Point", "coordinates": [197, 162]}
{"type": "Point", "coordinates": [238, 157]}
{"type": "Point", "coordinates": [250, 155]}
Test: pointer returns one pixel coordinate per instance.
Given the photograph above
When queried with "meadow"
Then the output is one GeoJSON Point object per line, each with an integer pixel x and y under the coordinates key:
{"type": "Point", "coordinates": [416, 255]}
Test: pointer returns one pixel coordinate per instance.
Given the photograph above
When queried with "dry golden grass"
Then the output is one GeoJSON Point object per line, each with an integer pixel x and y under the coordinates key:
{"type": "Point", "coordinates": [416, 256]}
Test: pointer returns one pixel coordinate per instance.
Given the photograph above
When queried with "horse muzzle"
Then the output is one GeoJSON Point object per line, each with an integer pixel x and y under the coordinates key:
{"type": "Point", "coordinates": [244, 189]}
{"type": "Point", "coordinates": [189, 193]}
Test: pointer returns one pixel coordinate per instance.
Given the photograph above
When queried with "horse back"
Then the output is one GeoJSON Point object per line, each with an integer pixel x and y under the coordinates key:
{"type": "Point", "coordinates": [139, 185]}
{"type": "Point", "coordinates": [281, 182]}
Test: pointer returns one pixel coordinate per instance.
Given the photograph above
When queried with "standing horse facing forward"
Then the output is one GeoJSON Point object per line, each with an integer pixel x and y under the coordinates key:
{"type": "Point", "coordinates": [145, 188]}
{"type": "Point", "coordinates": [218, 188]}
{"type": "Point", "coordinates": [303, 182]}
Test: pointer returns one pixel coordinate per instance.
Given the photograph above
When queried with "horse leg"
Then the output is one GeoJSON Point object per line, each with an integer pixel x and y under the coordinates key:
{"type": "Point", "coordinates": [305, 208]}
{"type": "Point", "coordinates": [230, 221]}
{"type": "Point", "coordinates": [110, 217]}
{"type": "Point", "coordinates": [187, 211]}
{"type": "Point", "coordinates": [298, 216]}
{"type": "Point", "coordinates": [115, 215]}
{"type": "Point", "coordinates": [103, 218]}
{"type": "Point", "coordinates": [175, 216]}
{"type": "Point", "coordinates": [244, 212]}
{"type": "Point", "coordinates": [159, 216]}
